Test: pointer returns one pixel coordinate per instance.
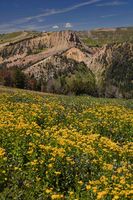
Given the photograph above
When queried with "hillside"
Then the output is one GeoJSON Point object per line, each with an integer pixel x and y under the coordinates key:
{"type": "Point", "coordinates": [60, 147]}
{"type": "Point", "coordinates": [101, 36]}
{"type": "Point", "coordinates": [8, 38]}
{"type": "Point", "coordinates": [97, 62]}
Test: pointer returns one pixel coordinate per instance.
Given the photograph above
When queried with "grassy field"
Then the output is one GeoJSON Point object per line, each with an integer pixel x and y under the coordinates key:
{"type": "Point", "coordinates": [101, 37]}
{"type": "Point", "coordinates": [60, 147]}
{"type": "Point", "coordinates": [16, 36]}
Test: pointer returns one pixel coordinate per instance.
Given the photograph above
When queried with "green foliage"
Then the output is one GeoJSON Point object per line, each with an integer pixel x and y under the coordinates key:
{"type": "Point", "coordinates": [91, 42]}
{"type": "Point", "coordinates": [78, 81]}
{"type": "Point", "coordinates": [19, 78]}
{"type": "Point", "coordinates": [13, 78]}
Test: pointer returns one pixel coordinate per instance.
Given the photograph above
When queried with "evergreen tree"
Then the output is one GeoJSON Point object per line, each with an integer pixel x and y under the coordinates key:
{"type": "Point", "coordinates": [19, 78]}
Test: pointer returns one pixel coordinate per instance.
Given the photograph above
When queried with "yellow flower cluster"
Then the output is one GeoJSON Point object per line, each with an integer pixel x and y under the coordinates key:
{"type": "Point", "coordinates": [2, 152]}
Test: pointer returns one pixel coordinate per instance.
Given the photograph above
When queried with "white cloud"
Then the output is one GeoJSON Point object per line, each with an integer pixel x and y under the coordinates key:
{"type": "Point", "coordinates": [108, 16]}
{"type": "Point", "coordinates": [113, 3]}
{"type": "Point", "coordinates": [40, 20]}
{"type": "Point", "coordinates": [55, 27]}
{"type": "Point", "coordinates": [68, 25]}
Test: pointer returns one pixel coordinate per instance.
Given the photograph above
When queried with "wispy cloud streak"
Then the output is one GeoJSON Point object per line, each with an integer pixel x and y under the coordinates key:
{"type": "Point", "coordinates": [108, 16]}
{"type": "Point", "coordinates": [48, 12]}
{"type": "Point", "coordinates": [59, 11]}
{"type": "Point", "coordinates": [113, 3]}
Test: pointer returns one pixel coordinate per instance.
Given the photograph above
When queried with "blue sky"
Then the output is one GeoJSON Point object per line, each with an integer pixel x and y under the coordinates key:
{"type": "Point", "coordinates": [54, 15]}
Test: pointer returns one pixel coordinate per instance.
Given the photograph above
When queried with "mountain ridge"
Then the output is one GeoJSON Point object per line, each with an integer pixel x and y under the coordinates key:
{"type": "Point", "coordinates": [53, 57]}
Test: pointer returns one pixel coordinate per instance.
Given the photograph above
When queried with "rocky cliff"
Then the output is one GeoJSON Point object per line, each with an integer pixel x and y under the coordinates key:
{"type": "Point", "coordinates": [113, 69]}
{"type": "Point", "coordinates": [32, 50]}
{"type": "Point", "coordinates": [55, 57]}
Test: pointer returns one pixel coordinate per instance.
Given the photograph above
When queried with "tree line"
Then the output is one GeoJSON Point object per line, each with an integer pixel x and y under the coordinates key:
{"type": "Point", "coordinates": [80, 81]}
{"type": "Point", "coordinates": [16, 78]}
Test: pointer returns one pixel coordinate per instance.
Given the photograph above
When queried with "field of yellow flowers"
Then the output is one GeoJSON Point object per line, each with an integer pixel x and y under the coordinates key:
{"type": "Point", "coordinates": [59, 147]}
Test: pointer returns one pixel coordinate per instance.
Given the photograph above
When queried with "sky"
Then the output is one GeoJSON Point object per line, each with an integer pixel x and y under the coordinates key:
{"type": "Point", "coordinates": [55, 15]}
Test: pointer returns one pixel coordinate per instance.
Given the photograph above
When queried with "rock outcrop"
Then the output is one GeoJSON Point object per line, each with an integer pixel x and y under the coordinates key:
{"type": "Point", "coordinates": [49, 55]}
{"type": "Point", "coordinates": [32, 50]}
{"type": "Point", "coordinates": [113, 69]}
